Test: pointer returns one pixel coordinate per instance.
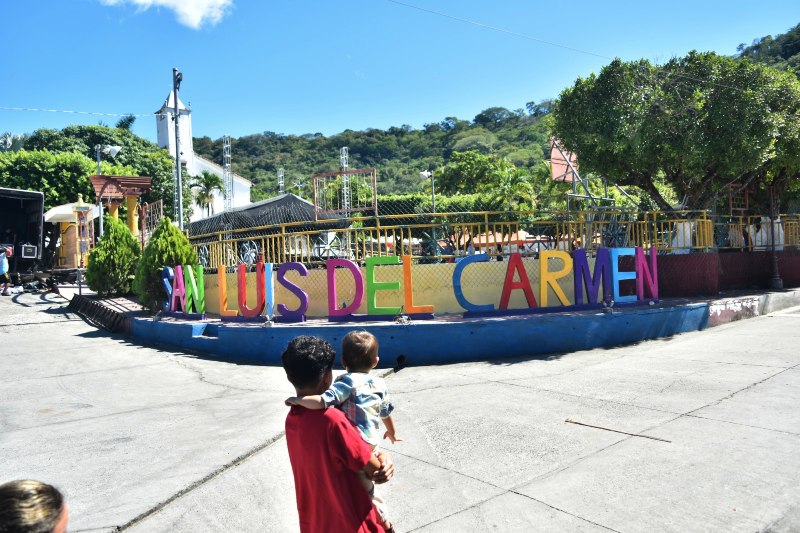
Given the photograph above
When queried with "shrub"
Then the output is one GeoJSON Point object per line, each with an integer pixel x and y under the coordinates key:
{"type": "Point", "coordinates": [167, 247]}
{"type": "Point", "coordinates": [113, 261]}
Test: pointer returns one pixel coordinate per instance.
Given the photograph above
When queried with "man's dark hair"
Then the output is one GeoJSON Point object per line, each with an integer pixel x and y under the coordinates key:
{"type": "Point", "coordinates": [359, 351]}
{"type": "Point", "coordinates": [307, 359]}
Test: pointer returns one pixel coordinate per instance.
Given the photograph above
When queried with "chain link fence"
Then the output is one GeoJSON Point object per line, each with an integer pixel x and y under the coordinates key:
{"type": "Point", "coordinates": [286, 229]}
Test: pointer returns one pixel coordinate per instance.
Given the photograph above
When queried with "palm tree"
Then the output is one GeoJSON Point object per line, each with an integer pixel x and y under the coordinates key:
{"type": "Point", "coordinates": [206, 183]}
{"type": "Point", "coordinates": [509, 185]}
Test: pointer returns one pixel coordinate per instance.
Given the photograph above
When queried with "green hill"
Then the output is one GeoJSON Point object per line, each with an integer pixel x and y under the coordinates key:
{"type": "Point", "coordinates": [399, 153]}
{"type": "Point", "coordinates": [781, 52]}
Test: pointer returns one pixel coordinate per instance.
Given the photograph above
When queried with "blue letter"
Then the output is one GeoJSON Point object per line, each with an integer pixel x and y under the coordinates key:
{"type": "Point", "coordinates": [618, 276]}
{"type": "Point", "coordinates": [462, 301]}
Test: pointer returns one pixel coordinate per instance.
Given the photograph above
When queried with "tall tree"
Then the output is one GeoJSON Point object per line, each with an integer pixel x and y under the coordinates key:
{"type": "Point", "coordinates": [61, 177]}
{"type": "Point", "coordinates": [701, 121]}
{"type": "Point", "coordinates": [468, 171]}
{"type": "Point", "coordinates": [143, 157]}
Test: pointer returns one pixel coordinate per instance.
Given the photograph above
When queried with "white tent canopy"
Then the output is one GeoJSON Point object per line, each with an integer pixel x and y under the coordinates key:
{"type": "Point", "coordinates": [66, 213]}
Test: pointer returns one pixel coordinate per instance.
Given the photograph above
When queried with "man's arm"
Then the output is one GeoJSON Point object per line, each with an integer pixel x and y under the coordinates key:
{"type": "Point", "coordinates": [309, 402]}
{"type": "Point", "coordinates": [346, 446]}
{"type": "Point", "coordinates": [380, 468]}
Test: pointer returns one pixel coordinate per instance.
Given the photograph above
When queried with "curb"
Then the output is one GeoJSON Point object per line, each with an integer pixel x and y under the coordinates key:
{"type": "Point", "coordinates": [727, 310]}
{"type": "Point", "coordinates": [97, 314]}
{"type": "Point", "coordinates": [424, 343]}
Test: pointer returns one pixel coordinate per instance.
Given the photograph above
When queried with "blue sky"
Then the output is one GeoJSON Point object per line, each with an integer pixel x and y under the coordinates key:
{"type": "Point", "coordinates": [306, 66]}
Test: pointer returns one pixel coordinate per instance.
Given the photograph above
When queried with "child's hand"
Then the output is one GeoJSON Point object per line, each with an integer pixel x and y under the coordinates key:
{"type": "Point", "coordinates": [391, 436]}
{"type": "Point", "coordinates": [290, 401]}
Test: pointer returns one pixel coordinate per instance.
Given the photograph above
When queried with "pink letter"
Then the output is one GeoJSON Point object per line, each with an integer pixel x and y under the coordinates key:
{"type": "Point", "coordinates": [333, 298]}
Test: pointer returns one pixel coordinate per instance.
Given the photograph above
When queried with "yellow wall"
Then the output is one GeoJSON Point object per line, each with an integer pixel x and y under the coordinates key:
{"type": "Point", "coordinates": [481, 283]}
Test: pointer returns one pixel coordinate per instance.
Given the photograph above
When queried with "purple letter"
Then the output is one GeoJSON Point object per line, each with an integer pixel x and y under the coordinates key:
{"type": "Point", "coordinates": [298, 313]}
{"type": "Point", "coordinates": [602, 272]}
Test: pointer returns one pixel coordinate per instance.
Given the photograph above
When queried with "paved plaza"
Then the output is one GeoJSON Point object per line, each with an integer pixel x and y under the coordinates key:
{"type": "Point", "coordinates": [706, 433]}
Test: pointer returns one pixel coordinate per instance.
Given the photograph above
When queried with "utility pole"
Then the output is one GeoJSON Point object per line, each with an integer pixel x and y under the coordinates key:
{"type": "Point", "coordinates": [99, 198]}
{"type": "Point", "coordinates": [177, 78]}
{"type": "Point", "coordinates": [344, 164]}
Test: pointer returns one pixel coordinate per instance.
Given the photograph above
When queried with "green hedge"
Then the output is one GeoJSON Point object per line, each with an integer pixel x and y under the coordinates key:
{"type": "Point", "coordinates": [113, 261]}
{"type": "Point", "coordinates": [167, 247]}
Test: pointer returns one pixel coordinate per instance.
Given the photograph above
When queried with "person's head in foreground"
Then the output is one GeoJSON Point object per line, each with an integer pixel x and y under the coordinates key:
{"type": "Point", "coordinates": [308, 362]}
{"type": "Point", "coordinates": [28, 506]}
{"type": "Point", "coordinates": [360, 351]}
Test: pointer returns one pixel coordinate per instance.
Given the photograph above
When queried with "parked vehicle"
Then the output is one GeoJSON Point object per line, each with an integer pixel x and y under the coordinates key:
{"type": "Point", "coordinates": [21, 224]}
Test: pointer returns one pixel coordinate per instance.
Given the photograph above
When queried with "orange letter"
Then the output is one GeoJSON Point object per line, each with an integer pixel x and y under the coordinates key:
{"type": "Point", "coordinates": [223, 294]}
{"type": "Point", "coordinates": [410, 307]}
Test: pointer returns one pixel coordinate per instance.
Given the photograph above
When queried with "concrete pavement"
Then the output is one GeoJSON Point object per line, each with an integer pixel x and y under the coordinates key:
{"type": "Point", "coordinates": [142, 439]}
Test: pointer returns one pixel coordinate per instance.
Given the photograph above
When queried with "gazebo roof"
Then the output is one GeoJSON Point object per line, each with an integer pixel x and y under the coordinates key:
{"type": "Point", "coordinates": [117, 187]}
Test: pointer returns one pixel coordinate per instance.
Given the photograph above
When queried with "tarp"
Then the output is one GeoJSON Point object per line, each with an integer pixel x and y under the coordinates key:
{"type": "Point", "coordinates": [559, 169]}
{"type": "Point", "coordinates": [283, 209]}
{"type": "Point", "coordinates": [66, 213]}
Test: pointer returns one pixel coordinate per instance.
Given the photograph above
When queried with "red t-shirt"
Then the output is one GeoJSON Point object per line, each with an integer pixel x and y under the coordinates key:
{"type": "Point", "coordinates": [325, 450]}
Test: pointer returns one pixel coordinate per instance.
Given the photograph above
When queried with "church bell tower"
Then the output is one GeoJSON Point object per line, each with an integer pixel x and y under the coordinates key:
{"type": "Point", "coordinates": [166, 131]}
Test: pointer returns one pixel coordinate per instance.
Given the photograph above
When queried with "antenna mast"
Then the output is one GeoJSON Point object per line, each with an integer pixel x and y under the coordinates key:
{"type": "Point", "coordinates": [227, 175]}
{"type": "Point", "coordinates": [281, 183]}
{"type": "Point", "coordinates": [344, 157]}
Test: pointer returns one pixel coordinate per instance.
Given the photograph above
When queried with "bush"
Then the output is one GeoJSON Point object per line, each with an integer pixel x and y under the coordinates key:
{"type": "Point", "coordinates": [167, 247]}
{"type": "Point", "coordinates": [113, 261]}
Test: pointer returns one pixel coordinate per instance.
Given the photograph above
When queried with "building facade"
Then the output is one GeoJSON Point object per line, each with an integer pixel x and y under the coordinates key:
{"type": "Point", "coordinates": [195, 164]}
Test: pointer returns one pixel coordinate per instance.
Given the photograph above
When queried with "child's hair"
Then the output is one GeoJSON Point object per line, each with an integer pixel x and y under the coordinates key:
{"type": "Point", "coordinates": [359, 351]}
{"type": "Point", "coordinates": [29, 506]}
{"type": "Point", "coordinates": [307, 359]}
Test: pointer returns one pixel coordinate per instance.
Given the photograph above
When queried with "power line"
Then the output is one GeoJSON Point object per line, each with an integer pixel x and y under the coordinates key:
{"type": "Point", "coordinates": [536, 39]}
{"type": "Point", "coordinates": [95, 113]}
{"type": "Point", "coordinates": [501, 30]}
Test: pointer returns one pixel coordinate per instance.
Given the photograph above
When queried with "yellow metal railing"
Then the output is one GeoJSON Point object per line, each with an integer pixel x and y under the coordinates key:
{"type": "Point", "coordinates": [757, 233]}
{"type": "Point", "coordinates": [446, 236]}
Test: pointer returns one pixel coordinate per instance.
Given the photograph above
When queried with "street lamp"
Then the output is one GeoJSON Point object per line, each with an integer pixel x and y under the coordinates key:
{"type": "Point", "coordinates": [427, 174]}
{"type": "Point", "coordinates": [177, 78]}
{"type": "Point", "coordinates": [108, 150]}
{"type": "Point", "coordinates": [776, 282]}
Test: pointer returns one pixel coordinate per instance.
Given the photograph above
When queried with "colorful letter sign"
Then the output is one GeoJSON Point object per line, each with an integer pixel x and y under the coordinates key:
{"type": "Point", "coordinates": [185, 291]}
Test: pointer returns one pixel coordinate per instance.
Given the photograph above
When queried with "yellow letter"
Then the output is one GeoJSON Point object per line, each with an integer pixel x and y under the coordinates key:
{"type": "Point", "coordinates": [547, 278]}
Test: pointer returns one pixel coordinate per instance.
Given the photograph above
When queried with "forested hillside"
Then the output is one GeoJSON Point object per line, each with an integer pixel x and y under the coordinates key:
{"type": "Point", "coordinates": [399, 153]}
{"type": "Point", "coordinates": [781, 52]}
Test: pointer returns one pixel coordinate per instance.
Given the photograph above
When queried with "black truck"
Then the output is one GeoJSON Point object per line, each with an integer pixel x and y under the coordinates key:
{"type": "Point", "coordinates": [21, 227]}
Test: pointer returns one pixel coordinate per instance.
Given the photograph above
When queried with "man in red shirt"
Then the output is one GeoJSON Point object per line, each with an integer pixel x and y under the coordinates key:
{"type": "Point", "coordinates": [326, 450]}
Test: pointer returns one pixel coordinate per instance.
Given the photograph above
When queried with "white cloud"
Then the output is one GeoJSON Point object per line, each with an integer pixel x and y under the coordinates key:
{"type": "Point", "coordinates": [192, 13]}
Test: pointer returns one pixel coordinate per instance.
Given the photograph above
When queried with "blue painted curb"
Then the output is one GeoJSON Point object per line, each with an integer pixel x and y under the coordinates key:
{"type": "Point", "coordinates": [438, 341]}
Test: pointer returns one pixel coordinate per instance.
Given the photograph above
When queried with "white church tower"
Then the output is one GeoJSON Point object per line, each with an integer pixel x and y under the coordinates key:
{"type": "Point", "coordinates": [166, 130]}
{"type": "Point", "coordinates": [195, 164]}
